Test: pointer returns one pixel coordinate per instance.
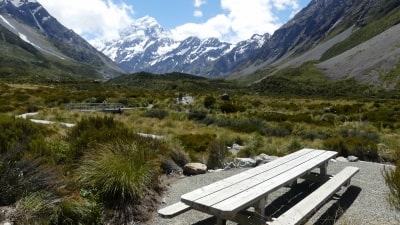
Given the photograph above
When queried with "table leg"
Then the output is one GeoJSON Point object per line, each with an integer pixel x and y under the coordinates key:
{"type": "Point", "coordinates": [221, 221]}
{"type": "Point", "coordinates": [323, 169]}
{"type": "Point", "coordinates": [260, 206]}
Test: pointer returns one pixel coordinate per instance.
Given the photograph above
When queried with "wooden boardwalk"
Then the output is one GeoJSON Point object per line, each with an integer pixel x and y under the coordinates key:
{"type": "Point", "coordinates": [97, 107]}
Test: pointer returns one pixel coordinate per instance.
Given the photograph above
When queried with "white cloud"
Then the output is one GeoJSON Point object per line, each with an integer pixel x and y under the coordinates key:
{"type": "Point", "coordinates": [241, 19]}
{"type": "Point", "coordinates": [198, 13]}
{"type": "Point", "coordinates": [285, 4]}
{"type": "Point", "coordinates": [198, 3]}
{"type": "Point", "coordinates": [93, 19]}
{"type": "Point", "coordinates": [217, 27]}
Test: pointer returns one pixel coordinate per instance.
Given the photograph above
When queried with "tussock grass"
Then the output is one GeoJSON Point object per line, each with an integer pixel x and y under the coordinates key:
{"type": "Point", "coordinates": [392, 178]}
{"type": "Point", "coordinates": [119, 173]}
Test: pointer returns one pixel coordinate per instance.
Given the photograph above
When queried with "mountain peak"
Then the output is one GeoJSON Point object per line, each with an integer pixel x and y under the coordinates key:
{"type": "Point", "coordinates": [145, 26]}
{"type": "Point", "coordinates": [18, 3]}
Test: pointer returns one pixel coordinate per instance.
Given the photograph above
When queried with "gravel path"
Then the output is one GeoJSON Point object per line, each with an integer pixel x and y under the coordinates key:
{"type": "Point", "coordinates": [362, 203]}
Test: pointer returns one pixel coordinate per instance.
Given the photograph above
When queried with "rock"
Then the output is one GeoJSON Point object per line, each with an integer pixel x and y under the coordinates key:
{"type": "Point", "coordinates": [170, 167]}
{"type": "Point", "coordinates": [215, 171]}
{"type": "Point", "coordinates": [264, 158]}
{"type": "Point", "coordinates": [245, 162]}
{"type": "Point", "coordinates": [195, 168]}
{"type": "Point", "coordinates": [229, 166]}
{"type": "Point", "coordinates": [341, 159]}
{"type": "Point", "coordinates": [352, 158]}
{"type": "Point", "coordinates": [235, 148]}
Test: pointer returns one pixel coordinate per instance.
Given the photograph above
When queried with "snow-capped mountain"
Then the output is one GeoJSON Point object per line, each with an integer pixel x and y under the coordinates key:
{"type": "Point", "coordinates": [146, 46]}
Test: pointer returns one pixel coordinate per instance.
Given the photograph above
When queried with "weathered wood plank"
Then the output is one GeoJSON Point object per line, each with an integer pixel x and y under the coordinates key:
{"type": "Point", "coordinates": [312, 202]}
{"type": "Point", "coordinates": [219, 185]}
{"type": "Point", "coordinates": [173, 210]}
{"type": "Point", "coordinates": [247, 183]}
{"type": "Point", "coordinates": [244, 199]}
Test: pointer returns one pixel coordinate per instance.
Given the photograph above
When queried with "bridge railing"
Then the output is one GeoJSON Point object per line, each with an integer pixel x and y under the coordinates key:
{"type": "Point", "coordinates": [96, 106]}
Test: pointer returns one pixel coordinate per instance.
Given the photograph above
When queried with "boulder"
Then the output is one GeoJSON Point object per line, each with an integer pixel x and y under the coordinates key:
{"type": "Point", "coordinates": [352, 158]}
{"type": "Point", "coordinates": [264, 158]}
{"type": "Point", "coordinates": [195, 168]}
{"type": "Point", "coordinates": [341, 159]}
{"type": "Point", "coordinates": [229, 166]}
{"type": "Point", "coordinates": [245, 162]}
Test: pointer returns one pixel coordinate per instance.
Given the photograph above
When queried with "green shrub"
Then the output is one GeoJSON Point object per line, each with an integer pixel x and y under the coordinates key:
{"type": "Point", "coordinates": [294, 146]}
{"type": "Point", "coordinates": [336, 144]}
{"type": "Point", "coordinates": [180, 157]}
{"type": "Point", "coordinates": [35, 208]}
{"type": "Point", "coordinates": [120, 172]}
{"type": "Point", "coordinates": [19, 177]}
{"type": "Point", "coordinates": [156, 113]}
{"type": "Point", "coordinates": [217, 154]}
{"type": "Point", "coordinates": [392, 178]}
{"type": "Point", "coordinates": [196, 142]}
{"type": "Point", "coordinates": [228, 107]}
{"type": "Point", "coordinates": [279, 131]}
{"type": "Point", "coordinates": [363, 149]}
{"type": "Point", "coordinates": [209, 102]}
{"type": "Point", "coordinates": [77, 211]}
{"type": "Point", "coordinates": [17, 133]}
{"type": "Point", "coordinates": [91, 132]}
{"type": "Point", "coordinates": [197, 115]}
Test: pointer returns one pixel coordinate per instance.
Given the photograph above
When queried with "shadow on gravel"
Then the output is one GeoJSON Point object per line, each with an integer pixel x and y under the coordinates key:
{"type": "Point", "coordinates": [295, 194]}
{"type": "Point", "coordinates": [208, 221]}
{"type": "Point", "coordinates": [339, 208]}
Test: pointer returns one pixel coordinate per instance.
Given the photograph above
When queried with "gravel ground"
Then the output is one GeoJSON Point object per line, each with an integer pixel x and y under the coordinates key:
{"type": "Point", "coordinates": [362, 203]}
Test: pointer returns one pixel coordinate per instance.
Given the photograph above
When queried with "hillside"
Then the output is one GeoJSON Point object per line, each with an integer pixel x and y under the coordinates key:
{"type": "Point", "coordinates": [60, 53]}
{"type": "Point", "coordinates": [360, 43]}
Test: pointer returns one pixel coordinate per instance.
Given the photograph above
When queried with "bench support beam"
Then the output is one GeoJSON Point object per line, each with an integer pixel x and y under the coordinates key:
{"type": "Point", "coordinates": [221, 221]}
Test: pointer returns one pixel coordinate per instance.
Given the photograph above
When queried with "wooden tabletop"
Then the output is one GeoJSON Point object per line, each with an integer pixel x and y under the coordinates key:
{"type": "Point", "coordinates": [233, 194]}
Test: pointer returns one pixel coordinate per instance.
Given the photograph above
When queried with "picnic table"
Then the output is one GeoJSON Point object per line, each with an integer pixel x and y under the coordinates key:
{"type": "Point", "coordinates": [230, 198]}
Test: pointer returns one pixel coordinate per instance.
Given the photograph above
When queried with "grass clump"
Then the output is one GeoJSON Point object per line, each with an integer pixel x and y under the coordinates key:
{"type": "Point", "coordinates": [93, 131]}
{"type": "Point", "coordinates": [119, 173]}
{"type": "Point", "coordinates": [217, 154]}
{"type": "Point", "coordinates": [392, 178]}
{"type": "Point", "coordinates": [156, 113]}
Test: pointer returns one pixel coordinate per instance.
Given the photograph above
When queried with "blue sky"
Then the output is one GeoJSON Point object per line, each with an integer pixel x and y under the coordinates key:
{"type": "Point", "coordinates": [228, 20]}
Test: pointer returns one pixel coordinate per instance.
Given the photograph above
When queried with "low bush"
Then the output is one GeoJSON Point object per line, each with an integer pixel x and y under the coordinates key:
{"type": "Point", "coordinates": [345, 146]}
{"type": "Point", "coordinates": [35, 207]}
{"type": "Point", "coordinates": [392, 178]}
{"type": "Point", "coordinates": [156, 113]}
{"type": "Point", "coordinates": [197, 115]}
{"type": "Point", "coordinates": [77, 211]}
{"type": "Point", "coordinates": [196, 142]}
{"type": "Point", "coordinates": [180, 157]}
{"type": "Point", "coordinates": [120, 172]}
{"type": "Point", "coordinates": [209, 102]}
{"type": "Point", "coordinates": [217, 154]}
{"type": "Point", "coordinates": [19, 177]}
{"type": "Point", "coordinates": [91, 132]}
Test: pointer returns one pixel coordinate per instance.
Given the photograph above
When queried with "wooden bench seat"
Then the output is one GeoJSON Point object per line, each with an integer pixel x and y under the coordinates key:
{"type": "Point", "coordinates": [312, 202]}
{"type": "Point", "coordinates": [173, 210]}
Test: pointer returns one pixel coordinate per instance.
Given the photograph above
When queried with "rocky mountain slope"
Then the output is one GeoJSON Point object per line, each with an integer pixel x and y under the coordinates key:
{"type": "Point", "coordinates": [146, 46]}
{"type": "Point", "coordinates": [345, 39]}
{"type": "Point", "coordinates": [321, 32]}
{"type": "Point", "coordinates": [61, 48]}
